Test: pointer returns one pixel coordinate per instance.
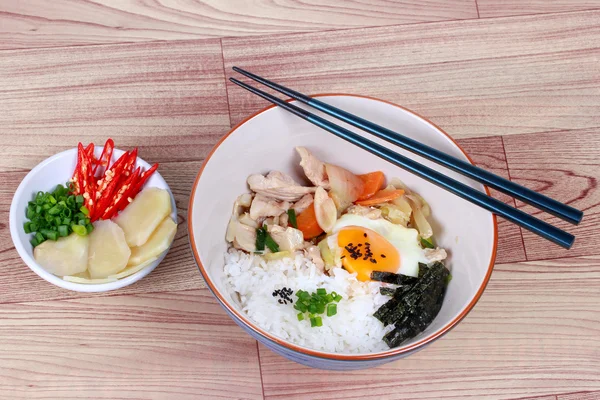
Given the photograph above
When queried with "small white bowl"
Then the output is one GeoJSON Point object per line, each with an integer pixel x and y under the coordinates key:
{"type": "Point", "coordinates": [55, 170]}
{"type": "Point", "coordinates": [265, 141]}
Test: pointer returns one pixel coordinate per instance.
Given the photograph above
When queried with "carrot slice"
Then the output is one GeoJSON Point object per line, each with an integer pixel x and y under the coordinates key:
{"type": "Point", "coordinates": [307, 223]}
{"type": "Point", "coordinates": [373, 181]}
{"type": "Point", "coordinates": [382, 196]}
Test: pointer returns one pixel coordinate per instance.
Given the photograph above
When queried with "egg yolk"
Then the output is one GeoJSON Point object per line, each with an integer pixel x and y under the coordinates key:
{"type": "Point", "coordinates": [365, 251]}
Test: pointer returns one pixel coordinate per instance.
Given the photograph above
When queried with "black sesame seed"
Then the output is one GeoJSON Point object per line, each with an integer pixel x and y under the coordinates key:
{"type": "Point", "coordinates": [364, 234]}
{"type": "Point", "coordinates": [383, 256]}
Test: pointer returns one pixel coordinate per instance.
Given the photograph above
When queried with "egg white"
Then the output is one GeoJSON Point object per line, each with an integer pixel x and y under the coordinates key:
{"type": "Point", "coordinates": [405, 240]}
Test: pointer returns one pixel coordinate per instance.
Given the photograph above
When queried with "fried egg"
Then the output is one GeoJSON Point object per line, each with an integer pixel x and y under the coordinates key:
{"type": "Point", "coordinates": [376, 245]}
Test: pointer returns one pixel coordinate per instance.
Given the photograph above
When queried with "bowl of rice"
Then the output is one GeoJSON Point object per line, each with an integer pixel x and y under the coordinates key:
{"type": "Point", "coordinates": [373, 273]}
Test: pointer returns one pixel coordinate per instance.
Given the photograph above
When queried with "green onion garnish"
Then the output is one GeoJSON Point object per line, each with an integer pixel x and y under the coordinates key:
{"type": "Point", "coordinates": [292, 217]}
{"type": "Point", "coordinates": [85, 210]}
{"type": "Point", "coordinates": [321, 292]}
{"type": "Point", "coordinates": [331, 309]}
{"type": "Point", "coordinates": [427, 243]}
{"type": "Point", "coordinates": [300, 316]}
{"type": "Point", "coordinates": [79, 229]}
{"type": "Point", "coordinates": [337, 298]}
{"type": "Point", "coordinates": [271, 244]}
{"type": "Point", "coordinates": [261, 236]}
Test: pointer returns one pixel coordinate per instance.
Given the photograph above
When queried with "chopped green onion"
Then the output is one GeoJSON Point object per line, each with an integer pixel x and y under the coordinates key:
{"type": "Point", "coordinates": [321, 292]}
{"type": "Point", "coordinates": [66, 221]}
{"type": "Point", "coordinates": [320, 308]}
{"type": "Point", "coordinates": [331, 309]}
{"type": "Point", "coordinates": [313, 322]}
{"type": "Point", "coordinates": [292, 217]}
{"type": "Point", "coordinates": [52, 235]}
{"type": "Point", "coordinates": [261, 236]}
{"type": "Point", "coordinates": [26, 227]}
{"type": "Point", "coordinates": [89, 228]}
{"type": "Point", "coordinates": [312, 308]}
{"type": "Point", "coordinates": [79, 199]}
{"type": "Point", "coordinates": [33, 227]}
{"type": "Point", "coordinates": [271, 244]}
{"type": "Point", "coordinates": [39, 237]}
{"type": "Point", "coordinates": [85, 210]}
{"type": "Point", "coordinates": [328, 298]}
{"type": "Point", "coordinates": [318, 321]}
{"type": "Point", "coordinates": [38, 209]}
{"type": "Point", "coordinates": [300, 316]}
{"type": "Point", "coordinates": [34, 242]}
{"type": "Point", "coordinates": [52, 199]}
{"type": "Point", "coordinates": [79, 229]}
{"type": "Point", "coordinates": [337, 298]}
{"type": "Point", "coordinates": [427, 243]}
{"type": "Point", "coordinates": [63, 230]}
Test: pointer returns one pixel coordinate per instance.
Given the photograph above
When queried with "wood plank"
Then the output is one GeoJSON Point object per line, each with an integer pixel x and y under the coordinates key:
{"type": "Point", "coordinates": [488, 153]}
{"type": "Point", "coordinates": [474, 78]}
{"type": "Point", "coordinates": [565, 166]}
{"type": "Point", "coordinates": [534, 332]}
{"type": "Point", "coordinates": [166, 98]}
{"type": "Point", "coordinates": [494, 8]}
{"type": "Point", "coordinates": [36, 23]}
{"type": "Point", "coordinates": [580, 396]}
{"type": "Point", "coordinates": [160, 346]}
{"type": "Point", "coordinates": [537, 398]}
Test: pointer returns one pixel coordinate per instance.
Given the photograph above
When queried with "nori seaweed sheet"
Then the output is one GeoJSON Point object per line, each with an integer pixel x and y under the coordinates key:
{"type": "Point", "coordinates": [413, 307]}
{"type": "Point", "coordinates": [390, 277]}
{"type": "Point", "coordinates": [387, 291]}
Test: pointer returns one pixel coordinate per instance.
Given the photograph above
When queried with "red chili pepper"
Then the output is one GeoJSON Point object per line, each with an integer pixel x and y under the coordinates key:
{"type": "Point", "coordinates": [122, 197]}
{"type": "Point", "coordinates": [104, 160]}
{"type": "Point", "coordinates": [89, 150]}
{"type": "Point", "coordinates": [140, 183]}
{"type": "Point", "coordinates": [80, 172]}
{"type": "Point", "coordinates": [88, 184]}
{"type": "Point", "coordinates": [108, 185]}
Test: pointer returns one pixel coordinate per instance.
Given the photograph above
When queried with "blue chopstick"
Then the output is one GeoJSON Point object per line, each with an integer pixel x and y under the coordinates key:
{"type": "Point", "coordinates": [499, 183]}
{"type": "Point", "coordinates": [474, 196]}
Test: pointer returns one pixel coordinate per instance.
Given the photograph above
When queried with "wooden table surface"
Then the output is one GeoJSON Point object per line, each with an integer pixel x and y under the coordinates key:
{"type": "Point", "coordinates": [516, 81]}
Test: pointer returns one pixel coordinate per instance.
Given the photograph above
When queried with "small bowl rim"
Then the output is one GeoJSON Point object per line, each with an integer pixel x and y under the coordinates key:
{"type": "Point", "coordinates": [316, 353]}
{"type": "Point", "coordinates": [56, 280]}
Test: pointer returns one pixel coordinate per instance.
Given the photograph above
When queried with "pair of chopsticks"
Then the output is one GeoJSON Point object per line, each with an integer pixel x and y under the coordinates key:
{"type": "Point", "coordinates": [474, 196]}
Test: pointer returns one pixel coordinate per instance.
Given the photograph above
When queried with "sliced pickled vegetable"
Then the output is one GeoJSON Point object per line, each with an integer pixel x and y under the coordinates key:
{"type": "Point", "coordinates": [108, 252]}
{"type": "Point", "coordinates": [159, 241]}
{"type": "Point", "coordinates": [65, 256]}
{"type": "Point", "coordinates": [143, 215]}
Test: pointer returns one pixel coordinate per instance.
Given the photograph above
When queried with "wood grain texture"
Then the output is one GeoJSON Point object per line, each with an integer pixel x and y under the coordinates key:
{"type": "Point", "coordinates": [496, 8]}
{"type": "Point", "coordinates": [532, 334]}
{"type": "Point", "coordinates": [488, 153]}
{"type": "Point", "coordinates": [565, 166]}
{"type": "Point", "coordinates": [469, 77]}
{"type": "Point", "coordinates": [37, 23]}
{"type": "Point", "coordinates": [161, 346]}
{"type": "Point", "coordinates": [580, 396]}
{"type": "Point", "coordinates": [168, 99]}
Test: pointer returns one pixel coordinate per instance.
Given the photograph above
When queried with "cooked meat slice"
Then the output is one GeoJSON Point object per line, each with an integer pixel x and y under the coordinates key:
{"type": "Point", "coordinates": [289, 239]}
{"type": "Point", "coordinates": [438, 254]}
{"type": "Point", "coordinates": [278, 185]}
{"type": "Point", "coordinates": [303, 203]}
{"type": "Point", "coordinates": [313, 168]}
{"type": "Point", "coordinates": [314, 254]}
{"type": "Point", "coordinates": [262, 206]}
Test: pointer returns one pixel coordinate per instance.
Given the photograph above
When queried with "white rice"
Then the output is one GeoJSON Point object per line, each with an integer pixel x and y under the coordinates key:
{"type": "Point", "coordinates": [352, 330]}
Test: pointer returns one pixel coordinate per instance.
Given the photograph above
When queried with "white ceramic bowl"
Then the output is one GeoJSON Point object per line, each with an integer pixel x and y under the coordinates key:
{"type": "Point", "coordinates": [266, 141]}
{"type": "Point", "coordinates": [55, 170]}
